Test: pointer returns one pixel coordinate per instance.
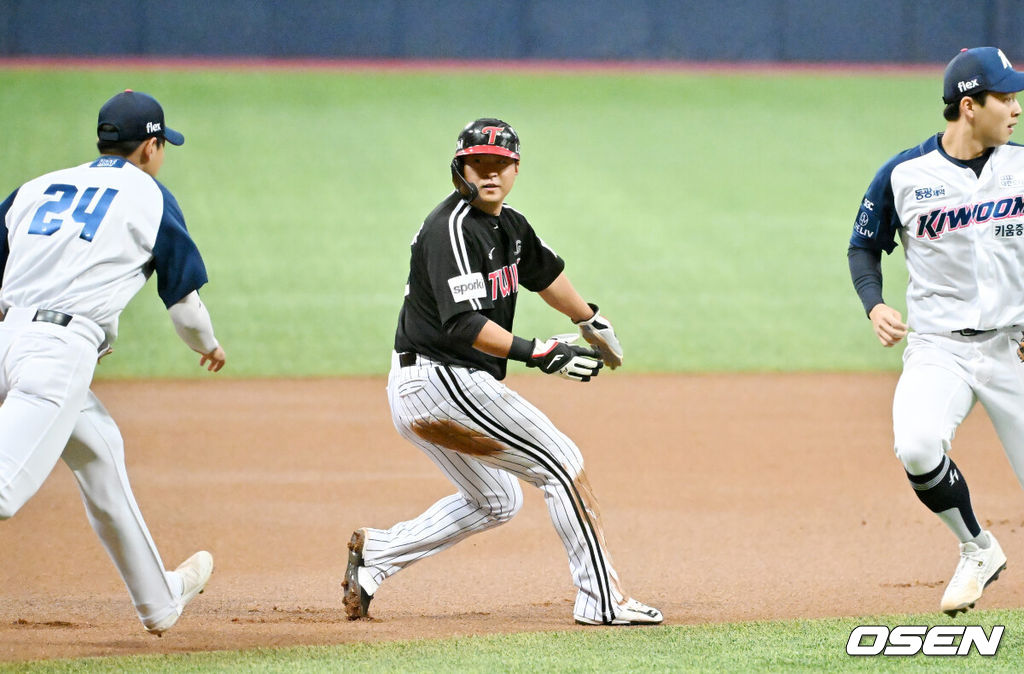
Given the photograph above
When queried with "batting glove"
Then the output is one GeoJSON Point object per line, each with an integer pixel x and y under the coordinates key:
{"type": "Point", "coordinates": [577, 363]}
{"type": "Point", "coordinates": [598, 331]}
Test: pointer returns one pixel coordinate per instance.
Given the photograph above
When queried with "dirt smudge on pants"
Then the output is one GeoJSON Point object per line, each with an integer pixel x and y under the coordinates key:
{"type": "Point", "coordinates": [455, 436]}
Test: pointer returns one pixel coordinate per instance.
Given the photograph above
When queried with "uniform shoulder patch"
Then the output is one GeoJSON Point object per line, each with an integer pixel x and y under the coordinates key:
{"type": "Point", "coordinates": [468, 287]}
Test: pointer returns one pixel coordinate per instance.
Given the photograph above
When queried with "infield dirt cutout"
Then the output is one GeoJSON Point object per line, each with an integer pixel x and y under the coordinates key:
{"type": "Point", "coordinates": [725, 498]}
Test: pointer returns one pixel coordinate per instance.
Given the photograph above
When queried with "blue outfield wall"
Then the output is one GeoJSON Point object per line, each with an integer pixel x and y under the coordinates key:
{"type": "Point", "coordinates": [911, 31]}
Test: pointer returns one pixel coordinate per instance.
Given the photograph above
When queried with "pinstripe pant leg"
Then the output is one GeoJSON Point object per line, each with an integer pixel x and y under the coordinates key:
{"type": "Point", "coordinates": [532, 449]}
{"type": "Point", "coordinates": [487, 496]}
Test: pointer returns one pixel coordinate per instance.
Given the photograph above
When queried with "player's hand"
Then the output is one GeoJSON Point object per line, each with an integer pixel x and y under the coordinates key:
{"type": "Point", "coordinates": [214, 360]}
{"type": "Point", "coordinates": [577, 363]}
{"type": "Point", "coordinates": [888, 324]}
{"type": "Point", "coordinates": [598, 331]}
{"type": "Point", "coordinates": [106, 352]}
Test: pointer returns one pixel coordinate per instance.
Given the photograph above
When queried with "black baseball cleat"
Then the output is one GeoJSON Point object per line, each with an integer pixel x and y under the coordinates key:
{"type": "Point", "coordinates": [356, 599]}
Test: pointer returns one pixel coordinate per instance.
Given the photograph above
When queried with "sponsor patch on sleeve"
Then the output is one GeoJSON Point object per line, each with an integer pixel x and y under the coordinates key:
{"type": "Point", "coordinates": [866, 225]}
{"type": "Point", "coordinates": [468, 287]}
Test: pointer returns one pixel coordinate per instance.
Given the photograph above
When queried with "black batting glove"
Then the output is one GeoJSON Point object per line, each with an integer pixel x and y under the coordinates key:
{"type": "Point", "coordinates": [577, 363]}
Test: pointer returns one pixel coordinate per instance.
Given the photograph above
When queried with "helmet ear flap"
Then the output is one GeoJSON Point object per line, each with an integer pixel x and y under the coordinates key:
{"type": "Point", "coordinates": [467, 189]}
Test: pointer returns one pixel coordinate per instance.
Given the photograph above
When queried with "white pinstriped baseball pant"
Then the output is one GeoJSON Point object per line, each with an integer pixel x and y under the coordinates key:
{"type": "Point", "coordinates": [483, 436]}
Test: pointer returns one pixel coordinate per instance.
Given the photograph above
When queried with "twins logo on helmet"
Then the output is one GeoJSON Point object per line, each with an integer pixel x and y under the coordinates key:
{"type": "Point", "coordinates": [488, 136]}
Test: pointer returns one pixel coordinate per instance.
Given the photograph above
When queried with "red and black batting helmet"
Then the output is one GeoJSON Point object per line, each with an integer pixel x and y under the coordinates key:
{"type": "Point", "coordinates": [488, 136]}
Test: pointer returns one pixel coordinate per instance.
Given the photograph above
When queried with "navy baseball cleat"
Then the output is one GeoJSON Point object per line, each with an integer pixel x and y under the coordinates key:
{"type": "Point", "coordinates": [356, 599]}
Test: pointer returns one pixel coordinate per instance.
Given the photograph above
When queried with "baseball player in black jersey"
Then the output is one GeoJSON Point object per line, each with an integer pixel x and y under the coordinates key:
{"type": "Point", "coordinates": [454, 339]}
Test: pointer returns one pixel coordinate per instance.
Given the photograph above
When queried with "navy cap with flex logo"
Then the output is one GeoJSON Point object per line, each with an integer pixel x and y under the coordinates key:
{"type": "Point", "coordinates": [133, 115]}
{"type": "Point", "coordinates": [980, 69]}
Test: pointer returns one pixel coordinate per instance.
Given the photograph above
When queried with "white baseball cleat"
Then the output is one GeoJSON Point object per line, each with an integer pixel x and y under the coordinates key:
{"type": "Point", "coordinates": [630, 613]}
{"type": "Point", "coordinates": [195, 572]}
{"type": "Point", "coordinates": [977, 568]}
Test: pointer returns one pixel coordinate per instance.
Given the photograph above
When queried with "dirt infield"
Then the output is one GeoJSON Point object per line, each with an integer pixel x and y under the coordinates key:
{"type": "Point", "coordinates": [725, 498]}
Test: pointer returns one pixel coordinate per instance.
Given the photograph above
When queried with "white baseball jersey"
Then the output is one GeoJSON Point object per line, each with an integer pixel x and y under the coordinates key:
{"type": "Point", "coordinates": [83, 241]}
{"type": "Point", "coordinates": [963, 235]}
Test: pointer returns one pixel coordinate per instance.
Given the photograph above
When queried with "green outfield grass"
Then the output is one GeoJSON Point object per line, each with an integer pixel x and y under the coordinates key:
{"type": "Point", "coordinates": [708, 214]}
{"type": "Point", "coordinates": [803, 645]}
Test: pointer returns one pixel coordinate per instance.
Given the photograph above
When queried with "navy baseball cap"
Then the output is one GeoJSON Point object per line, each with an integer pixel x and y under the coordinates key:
{"type": "Point", "coordinates": [135, 116]}
{"type": "Point", "coordinates": [980, 69]}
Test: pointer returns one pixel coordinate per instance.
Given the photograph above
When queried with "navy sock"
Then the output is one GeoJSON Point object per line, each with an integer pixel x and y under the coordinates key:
{"type": "Point", "coordinates": [945, 489]}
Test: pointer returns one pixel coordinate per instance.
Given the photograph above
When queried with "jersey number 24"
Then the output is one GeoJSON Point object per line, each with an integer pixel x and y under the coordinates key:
{"type": "Point", "coordinates": [90, 220]}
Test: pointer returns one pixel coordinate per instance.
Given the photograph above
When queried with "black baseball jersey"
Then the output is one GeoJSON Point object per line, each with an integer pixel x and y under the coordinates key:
{"type": "Point", "coordinates": [466, 260]}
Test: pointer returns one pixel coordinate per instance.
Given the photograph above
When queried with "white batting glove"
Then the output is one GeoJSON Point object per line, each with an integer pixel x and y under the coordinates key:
{"type": "Point", "coordinates": [598, 332]}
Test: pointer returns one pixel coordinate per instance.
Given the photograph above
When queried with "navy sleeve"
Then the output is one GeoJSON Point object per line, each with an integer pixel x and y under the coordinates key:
{"type": "Point", "coordinates": [179, 267]}
{"type": "Point", "coordinates": [877, 222]}
{"type": "Point", "coordinates": [866, 273]}
{"type": "Point", "coordinates": [5, 248]}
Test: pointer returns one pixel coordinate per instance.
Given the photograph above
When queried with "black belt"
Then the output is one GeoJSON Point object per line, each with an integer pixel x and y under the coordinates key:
{"type": "Point", "coordinates": [47, 316]}
{"type": "Point", "coordinates": [407, 358]}
{"type": "Point", "coordinates": [971, 332]}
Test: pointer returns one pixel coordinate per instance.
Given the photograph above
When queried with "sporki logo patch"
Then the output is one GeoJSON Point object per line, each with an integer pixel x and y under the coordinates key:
{"type": "Point", "coordinates": [467, 287]}
{"type": "Point", "coordinates": [941, 640]}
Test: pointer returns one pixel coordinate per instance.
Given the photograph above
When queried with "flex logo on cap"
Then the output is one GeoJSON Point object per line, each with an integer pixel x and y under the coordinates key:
{"type": "Point", "coordinates": [970, 84]}
{"type": "Point", "coordinates": [152, 127]}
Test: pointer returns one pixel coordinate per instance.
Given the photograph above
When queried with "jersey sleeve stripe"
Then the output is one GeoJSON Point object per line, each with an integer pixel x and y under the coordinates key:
{"type": "Point", "coordinates": [453, 238]}
{"type": "Point", "coordinates": [458, 241]}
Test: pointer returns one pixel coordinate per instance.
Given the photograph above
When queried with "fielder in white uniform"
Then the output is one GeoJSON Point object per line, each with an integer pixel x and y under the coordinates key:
{"type": "Point", "coordinates": [957, 203]}
{"type": "Point", "coordinates": [75, 246]}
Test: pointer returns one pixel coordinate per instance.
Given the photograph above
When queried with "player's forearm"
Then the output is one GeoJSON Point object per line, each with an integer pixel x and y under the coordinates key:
{"type": "Point", "coordinates": [866, 273]}
{"type": "Point", "coordinates": [493, 340]}
{"type": "Point", "coordinates": [481, 333]}
{"type": "Point", "coordinates": [562, 296]}
{"type": "Point", "coordinates": [193, 324]}
{"type": "Point", "coordinates": [497, 341]}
